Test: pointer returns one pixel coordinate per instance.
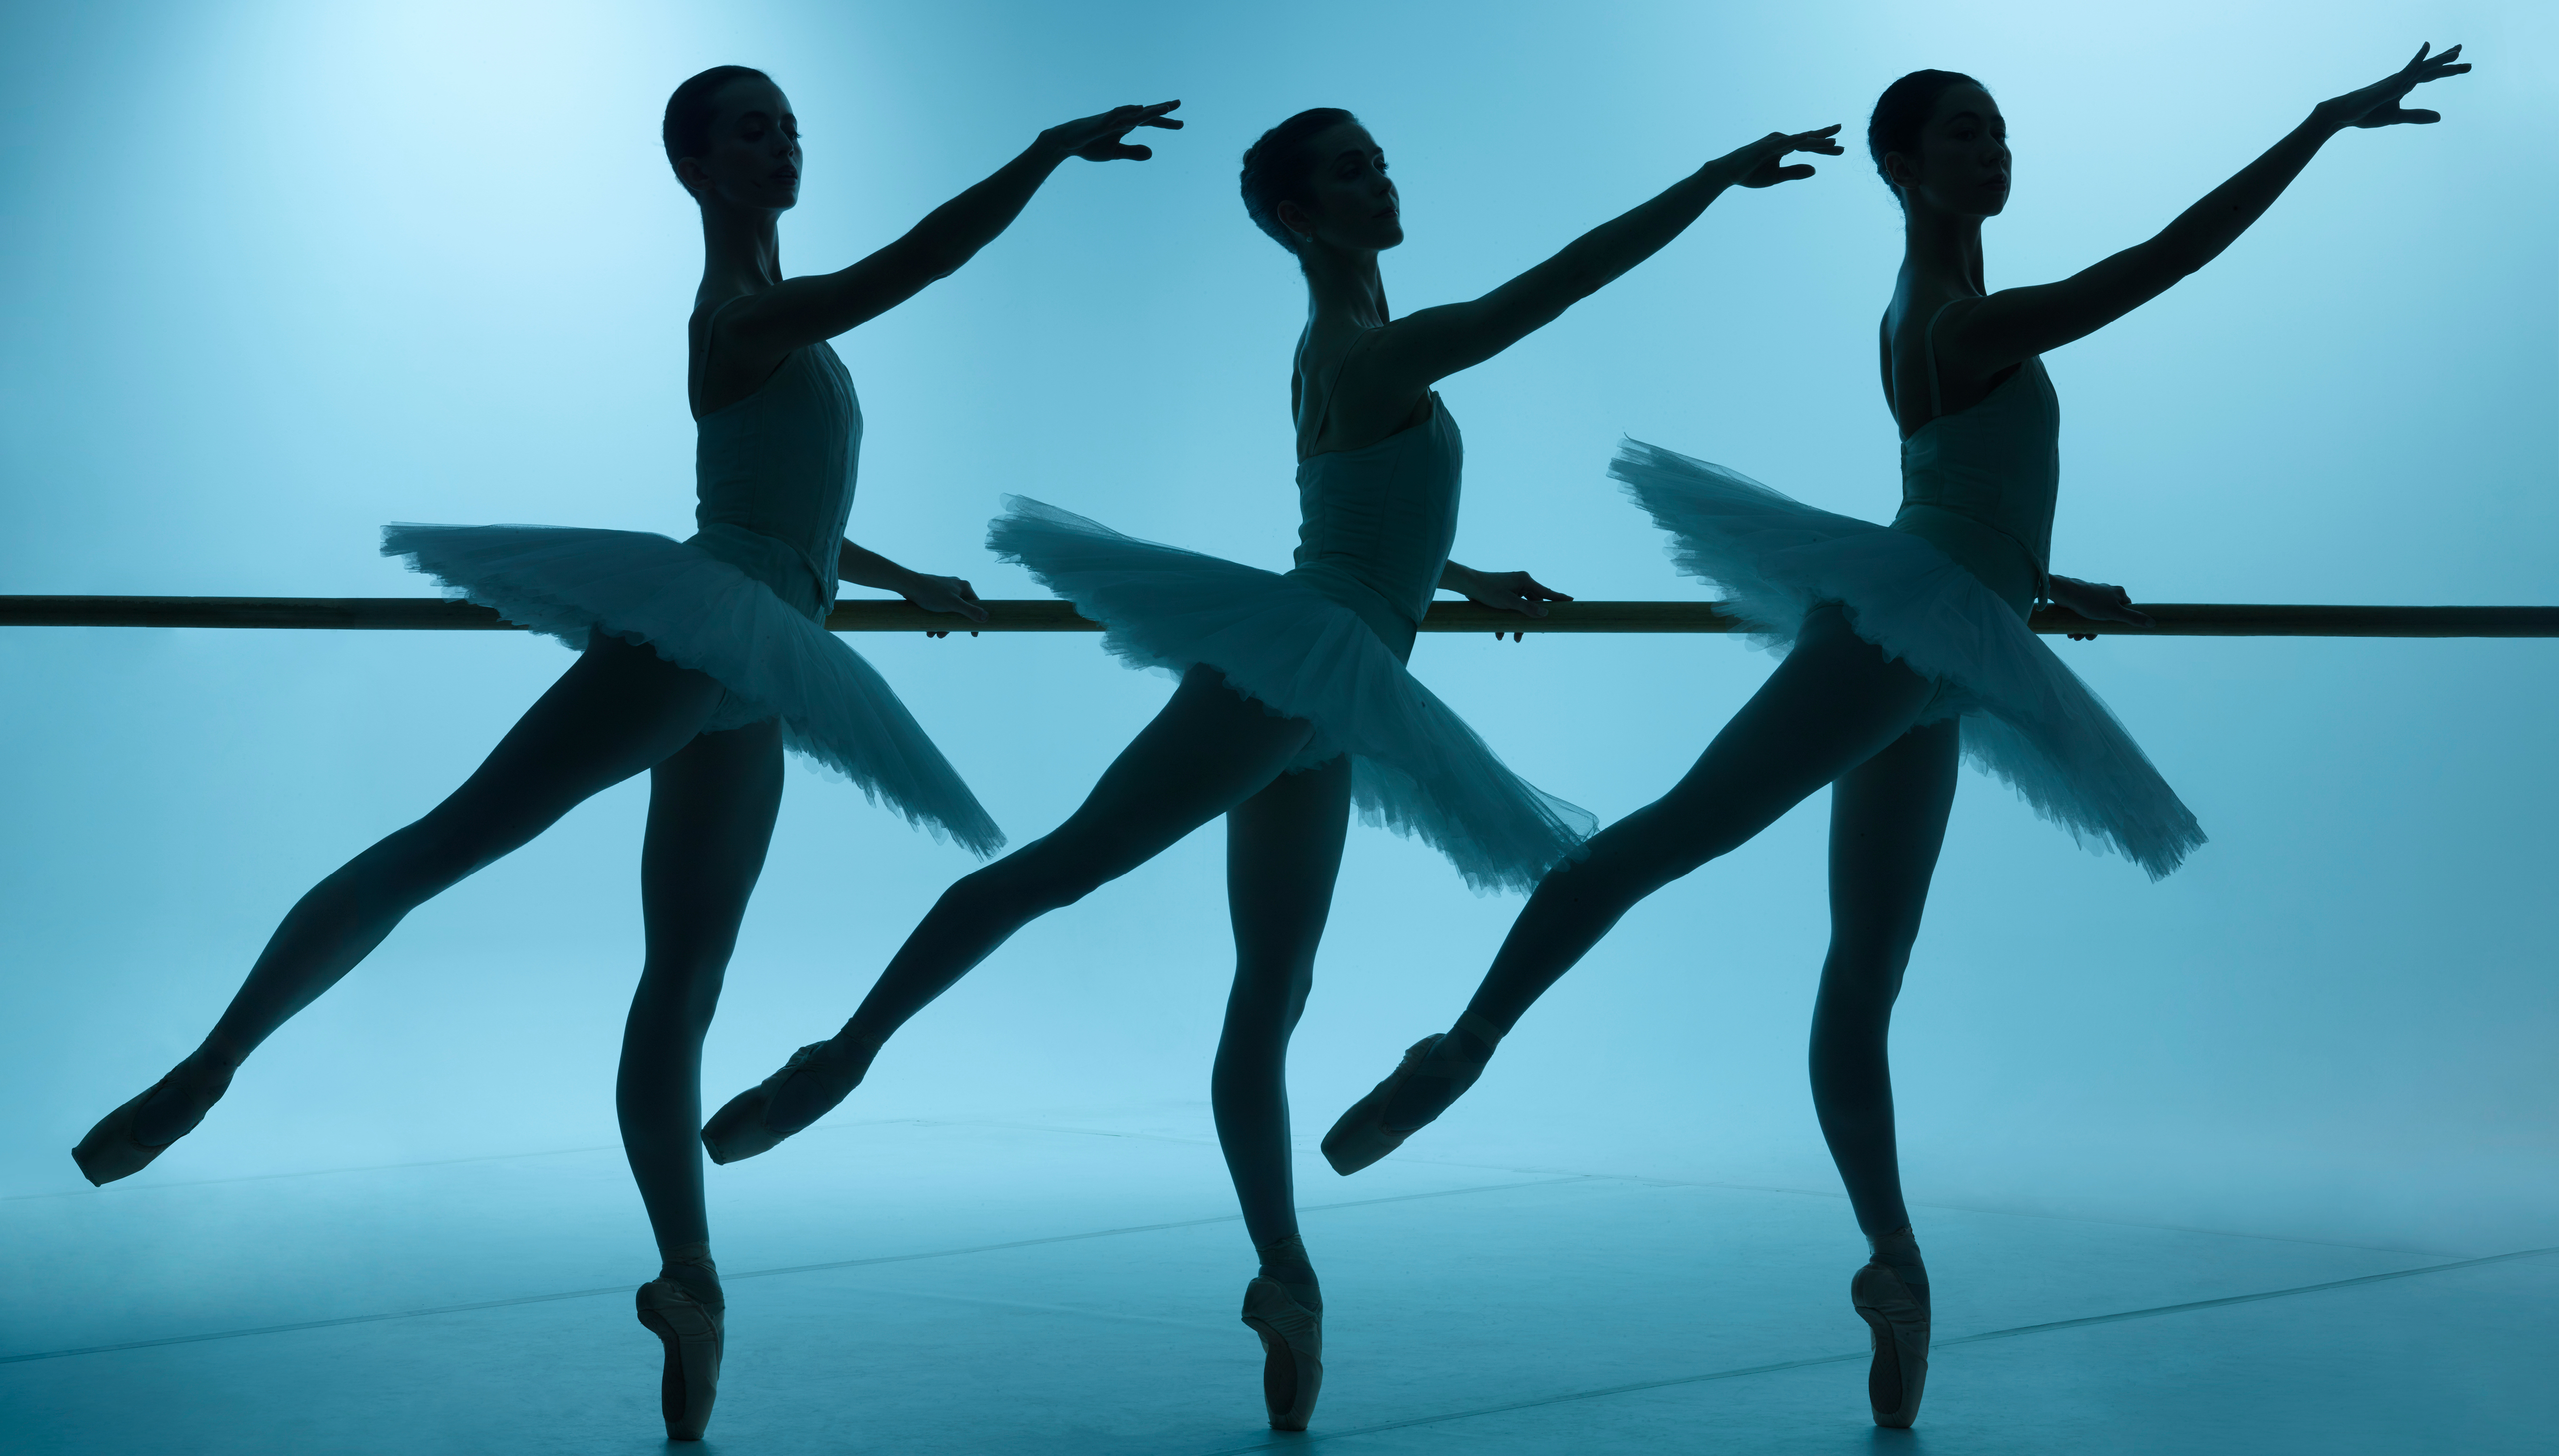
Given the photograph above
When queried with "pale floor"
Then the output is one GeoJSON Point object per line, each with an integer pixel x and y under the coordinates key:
{"type": "Point", "coordinates": [1000, 1287]}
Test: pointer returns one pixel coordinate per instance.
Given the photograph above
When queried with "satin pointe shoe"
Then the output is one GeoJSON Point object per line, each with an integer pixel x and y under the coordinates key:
{"type": "Point", "coordinates": [1292, 1352]}
{"type": "Point", "coordinates": [738, 1129]}
{"type": "Point", "coordinates": [1898, 1323]}
{"type": "Point", "coordinates": [1362, 1137]}
{"type": "Point", "coordinates": [693, 1333]}
{"type": "Point", "coordinates": [110, 1152]}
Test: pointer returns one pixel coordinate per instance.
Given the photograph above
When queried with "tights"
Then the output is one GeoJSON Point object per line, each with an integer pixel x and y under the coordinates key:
{"type": "Point", "coordinates": [619, 710]}
{"type": "Point", "coordinates": [1210, 752]}
{"type": "Point", "coordinates": [1834, 713]}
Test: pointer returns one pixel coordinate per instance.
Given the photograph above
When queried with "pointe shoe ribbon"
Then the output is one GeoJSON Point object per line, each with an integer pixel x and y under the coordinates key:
{"type": "Point", "coordinates": [738, 1129]}
{"type": "Point", "coordinates": [1293, 1349]}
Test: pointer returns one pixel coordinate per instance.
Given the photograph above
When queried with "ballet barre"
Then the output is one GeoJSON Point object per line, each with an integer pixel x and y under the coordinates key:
{"type": "Point", "coordinates": [431, 614]}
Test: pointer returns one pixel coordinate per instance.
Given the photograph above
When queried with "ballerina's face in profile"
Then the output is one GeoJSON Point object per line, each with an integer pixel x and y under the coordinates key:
{"type": "Point", "coordinates": [1963, 164]}
{"type": "Point", "coordinates": [1348, 200]}
{"type": "Point", "coordinates": [753, 156]}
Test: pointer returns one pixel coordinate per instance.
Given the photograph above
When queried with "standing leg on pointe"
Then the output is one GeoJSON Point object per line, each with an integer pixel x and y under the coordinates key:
{"type": "Point", "coordinates": [1888, 823]}
{"type": "Point", "coordinates": [711, 819]}
{"type": "Point", "coordinates": [617, 711]}
{"type": "Point", "coordinates": [1283, 851]}
{"type": "Point", "coordinates": [711, 809]}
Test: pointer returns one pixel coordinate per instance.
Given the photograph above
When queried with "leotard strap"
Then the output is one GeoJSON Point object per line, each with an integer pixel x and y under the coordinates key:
{"type": "Point", "coordinates": [1936, 403]}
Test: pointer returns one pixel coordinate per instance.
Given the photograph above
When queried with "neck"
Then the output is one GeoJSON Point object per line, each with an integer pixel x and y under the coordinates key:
{"type": "Point", "coordinates": [1344, 283]}
{"type": "Point", "coordinates": [741, 246]}
{"type": "Point", "coordinates": [1943, 245]}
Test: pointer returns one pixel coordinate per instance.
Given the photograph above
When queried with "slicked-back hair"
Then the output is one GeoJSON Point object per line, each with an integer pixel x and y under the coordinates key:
{"type": "Point", "coordinates": [1902, 113]}
{"type": "Point", "coordinates": [1277, 169]}
{"type": "Point", "coordinates": [687, 130]}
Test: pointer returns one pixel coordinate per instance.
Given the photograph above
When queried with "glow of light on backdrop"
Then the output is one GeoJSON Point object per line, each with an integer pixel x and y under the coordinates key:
{"type": "Point", "coordinates": [284, 272]}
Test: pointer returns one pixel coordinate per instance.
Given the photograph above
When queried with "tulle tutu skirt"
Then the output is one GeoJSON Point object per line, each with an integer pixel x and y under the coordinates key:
{"type": "Point", "coordinates": [700, 611]}
{"type": "Point", "coordinates": [1417, 768]}
{"type": "Point", "coordinates": [2027, 718]}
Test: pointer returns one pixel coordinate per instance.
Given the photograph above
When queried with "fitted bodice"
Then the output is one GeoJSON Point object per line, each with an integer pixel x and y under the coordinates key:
{"type": "Point", "coordinates": [1375, 523]}
{"type": "Point", "coordinates": [1980, 482]}
{"type": "Point", "coordinates": [774, 474]}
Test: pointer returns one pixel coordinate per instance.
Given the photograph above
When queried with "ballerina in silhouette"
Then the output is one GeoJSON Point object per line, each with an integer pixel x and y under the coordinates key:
{"type": "Point", "coordinates": [1294, 703]}
{"type": "Point", "coordinates": [700, 662]}
{"type": "Point", "coordinates": [1897, 635]}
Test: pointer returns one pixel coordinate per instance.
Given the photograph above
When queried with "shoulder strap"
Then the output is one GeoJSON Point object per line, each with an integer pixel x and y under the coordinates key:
{"type": "Point", "coordinates": [1935, 406]}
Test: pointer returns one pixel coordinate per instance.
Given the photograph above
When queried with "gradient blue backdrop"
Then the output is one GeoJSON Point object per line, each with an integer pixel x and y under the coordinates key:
{"type": "Point", "coordinates": [280, 273]}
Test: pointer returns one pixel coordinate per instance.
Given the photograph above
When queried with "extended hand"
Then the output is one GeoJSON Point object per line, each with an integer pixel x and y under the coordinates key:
{"type": "Point", "coordinates": [945, 594]}
{"type": "Point", "coordinates": [2378, 103]}
{"type": "Point", "coordinates": [2097, 602]}
{"type": "Point", "coordinates": [1098, 138]}
{"type": "Point", "coordinates": [1762, 162]}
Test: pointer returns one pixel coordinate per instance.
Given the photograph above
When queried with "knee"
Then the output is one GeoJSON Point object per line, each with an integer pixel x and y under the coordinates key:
{"type": "Point", "coordinates": [453, 842]}
{"type": "Point", "coordinates": [1860, 983]}
{"type": "Point", "coordinates": [1270, 990]}
{"type": "Point", "coordinates": [1035, 879]}
{"type": "Point", "coordinates": [1867, 958]}
{"type": "Point", "coordinates": [680, 990]}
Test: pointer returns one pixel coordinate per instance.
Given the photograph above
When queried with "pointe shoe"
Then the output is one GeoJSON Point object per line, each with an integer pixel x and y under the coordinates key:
{"type": "Point", "coordinates": [692, 1332]}
{"type": "Point", "coordinates": [110, 1152]}
{"type": "Point", "coordinates": [1362, 1137]}
{"type": "Point", "coordinates": [738, 1129]}
{"type": "Point", "coordinates": [1898, 1323]}
{"type": "Point", "coordinates": [1292, 1352]}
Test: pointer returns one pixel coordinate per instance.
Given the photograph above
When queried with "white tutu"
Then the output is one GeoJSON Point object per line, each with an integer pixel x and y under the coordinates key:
{"type": "Point", "coordinates": [697, 611]}
{"type": "Point", "coordinates": [1417, 768]}
{"type": "Point", "coordinates": [2027, 718]}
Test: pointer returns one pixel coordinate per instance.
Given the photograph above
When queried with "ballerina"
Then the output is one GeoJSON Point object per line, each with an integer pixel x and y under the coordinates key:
{"type": "Point", "coordinates": [698, 663]}
{"type": "Point", "coordinates": [1294, 703]}
{"type": "Point", "coordinates": [1897, 635]}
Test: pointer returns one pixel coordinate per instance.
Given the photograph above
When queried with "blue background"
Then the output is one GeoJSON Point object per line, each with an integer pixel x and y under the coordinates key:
{"type": "Point", "coordinates": [278, 273]}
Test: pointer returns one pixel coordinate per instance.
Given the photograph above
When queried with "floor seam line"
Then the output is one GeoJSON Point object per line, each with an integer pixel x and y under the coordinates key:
{"type": "Point", "coordinates": [2050, 1327]}
{"type": "Point", "coordinates": [892, 1259]}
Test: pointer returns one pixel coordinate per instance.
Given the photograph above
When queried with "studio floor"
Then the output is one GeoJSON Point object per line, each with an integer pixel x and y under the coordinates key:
{"type": "Point", "coordinates": [918, 1287]}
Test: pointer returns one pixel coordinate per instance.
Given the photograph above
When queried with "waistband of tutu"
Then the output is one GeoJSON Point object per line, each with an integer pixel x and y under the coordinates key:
{"type": "Point", "coordinates": [773, 562]}
{"type": "Point", "coordinates": [1394, 625]}
{"type": "Point", "coordinates": [1997, 560]}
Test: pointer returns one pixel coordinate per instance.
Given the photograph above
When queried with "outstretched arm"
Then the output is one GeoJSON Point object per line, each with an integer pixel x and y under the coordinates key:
{"type": "Point", "coordinates": [864, 567]}
{"type": "Point", "coordinates": [1434, 343]}
{"type": "Point", "coordinates": [2015, 323]}
{"type": "Point", "coordinates": [805, 310]}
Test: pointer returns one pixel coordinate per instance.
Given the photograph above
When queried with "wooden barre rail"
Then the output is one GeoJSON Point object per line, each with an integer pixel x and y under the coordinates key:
{"type": "Point", "coordinates": [2175, 619]}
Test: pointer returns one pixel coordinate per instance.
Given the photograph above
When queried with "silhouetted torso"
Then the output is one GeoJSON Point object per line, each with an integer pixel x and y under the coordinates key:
{"type": "Point", "coordinates": [775, 472]}
{"type": "Point", "coordinates": [1980, 484]}
{"type": "Point", "coordinates": [1375, 523]}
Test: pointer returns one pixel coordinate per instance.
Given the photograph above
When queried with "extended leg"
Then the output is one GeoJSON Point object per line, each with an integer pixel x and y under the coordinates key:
{"type": "Point", "coordinates": [1888, 820]}
{"type": "Point", "coordinates": [1283, 848]}
{"type": "Point", "coordinates": [710, 818]}
{"type": "Point", "coordinates": [620, 709]}
{"type": "Point", "coordinates": [1832, 704]}
{"type": "Point", "coordinates": [1208, 751]}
